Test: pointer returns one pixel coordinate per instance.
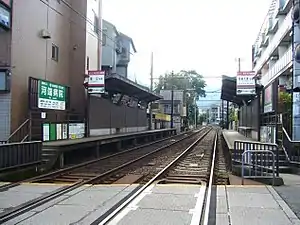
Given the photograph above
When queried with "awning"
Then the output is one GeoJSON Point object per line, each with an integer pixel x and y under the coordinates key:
{"type": "Point", "coordinates": [120, 84]}
{"type": "Point", "coordinates": [228, 92]}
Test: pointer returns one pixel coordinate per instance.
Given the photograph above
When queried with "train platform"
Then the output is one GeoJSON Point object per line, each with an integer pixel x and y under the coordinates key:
{"type": "Point", "coordinates": [230, 136]}
{"type": "Point", "coordinates": [54, 151]}
{"type": "Point", "coordinates": [105, 138]}
{"type": "Point", "coordinates": [83, 205]}
{"type": "Point", "coordinates": [158, 204]}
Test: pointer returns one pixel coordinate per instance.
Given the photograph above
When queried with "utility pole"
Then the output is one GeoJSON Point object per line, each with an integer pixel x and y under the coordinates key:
{"type": "Point", "coordinates": [195, 113]}
{"type": "Point", "coordinates": [239, 64]}
{"type": "Point", "coordinates": [172, 100]}
{"type": "Point", "coordinates": [151, 89]}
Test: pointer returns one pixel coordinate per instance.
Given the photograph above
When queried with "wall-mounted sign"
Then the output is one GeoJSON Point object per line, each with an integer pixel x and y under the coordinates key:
{"type": "Point", "coordinates": [51, 96]}
{"type": "Point", "coordinates": [96, 83]}
{"type": "Point", "coordinates": [245, 84]}
{"type": "Point", "coordinates": [268, 104]}
{"type": "Point", "coordinates": [5, 21]}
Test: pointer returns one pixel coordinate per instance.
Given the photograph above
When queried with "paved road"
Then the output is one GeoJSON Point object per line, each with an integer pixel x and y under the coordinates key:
{"type": "Point", "coordinates": [290, 192]}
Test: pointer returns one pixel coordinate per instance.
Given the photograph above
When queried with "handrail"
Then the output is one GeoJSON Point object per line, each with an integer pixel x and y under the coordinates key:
{"type": "Point", "coordinates": [288, 137]}
{"type": "Point", "coordinates": [19, 128]}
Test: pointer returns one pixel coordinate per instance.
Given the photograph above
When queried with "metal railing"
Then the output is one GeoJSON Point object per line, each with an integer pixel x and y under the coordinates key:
{"type": "Point", "coordinates": [21, 134]}
{"type": "Point", "coordinates": [292, 148]}
{"type": "Point", "coordinates": [258, 163]}
{"type": "Point", "coordinates": [15, 155]}
{"type": "Point", "coordinates": [264, 161]}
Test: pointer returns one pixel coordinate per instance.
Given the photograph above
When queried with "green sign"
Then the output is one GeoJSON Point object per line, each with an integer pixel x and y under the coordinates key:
{"type": "Point", "coordinates": [51, 96]}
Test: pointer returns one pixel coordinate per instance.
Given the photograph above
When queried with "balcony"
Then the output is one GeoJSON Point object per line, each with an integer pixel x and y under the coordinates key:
{"type": "Point", "coordinates": [280, 66]}
{"type": "Point", "coordinates": [283, 9]}
{"type": "Point", "coordinates": [273, 27]}
{"type": "Point", "coordinates": [265, 41]}
{"type": "Point", "coordinates": [282, 31]}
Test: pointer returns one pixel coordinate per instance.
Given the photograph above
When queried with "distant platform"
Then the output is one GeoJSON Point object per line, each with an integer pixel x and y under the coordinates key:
{"type": "Point", "coordinates": [231, 136]}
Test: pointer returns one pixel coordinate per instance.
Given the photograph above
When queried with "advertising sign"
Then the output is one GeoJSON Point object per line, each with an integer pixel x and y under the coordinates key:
{"type": "Point", "coordinates": [5, 21]}
{"type": "Point", "coordinates": [245, 84]}
{"type": "Point", "coordinates": [268, 104]}
{"type": "Point", "coordinates": [51, 96]}
{"type": "Point", "coordinates": [96, 83]}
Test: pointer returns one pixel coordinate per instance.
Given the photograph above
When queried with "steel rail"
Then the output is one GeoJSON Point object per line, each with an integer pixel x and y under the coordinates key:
{"type": "Point", "coordinates": [21, 209]}
{"type": "Point", "coordinates": [65, 170]}
{"type": "Point", "coordinates": [159, 174]}
{"type": "Point", "coordinates": [207, 201]}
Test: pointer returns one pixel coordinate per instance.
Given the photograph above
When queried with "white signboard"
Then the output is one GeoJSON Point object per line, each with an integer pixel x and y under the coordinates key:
{"type": "Point", "coordinates": [245, 84]}
{"type": "Point", "coordinates": [96, 83]}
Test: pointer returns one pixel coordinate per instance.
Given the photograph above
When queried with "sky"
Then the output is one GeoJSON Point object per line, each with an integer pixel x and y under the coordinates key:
{"type": "Point", "coordinates": [205, 35]}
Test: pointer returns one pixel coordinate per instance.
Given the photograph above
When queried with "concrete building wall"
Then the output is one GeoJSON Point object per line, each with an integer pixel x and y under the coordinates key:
{"type": "Point", "coordinates": [109, 56]}
{"type": "Point", "coordinates": [29, 55]}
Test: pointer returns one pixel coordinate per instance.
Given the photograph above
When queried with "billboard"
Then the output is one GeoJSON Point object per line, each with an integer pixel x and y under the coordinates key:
{"type": "Point", "coordinates": [5, 21]}
{"type": "Point", "coordinates": [268, 100]}
{"type": "Point", "coordinates": [245, 84]}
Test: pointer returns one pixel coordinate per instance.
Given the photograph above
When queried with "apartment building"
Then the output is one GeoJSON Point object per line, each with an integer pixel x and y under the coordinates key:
{"type": "Point", "coordinates": [117, 50]}
{"type": "Point", "coordinates": [51, 40]}
{"type": "Point", "coordinates": [273, 56]}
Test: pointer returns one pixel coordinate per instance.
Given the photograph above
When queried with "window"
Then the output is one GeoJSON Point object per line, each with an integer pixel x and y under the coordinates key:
{"type": "Point", "coordinates": [103, 38]}
{"type": "Point", "coordinates": [87, 63]}
{"type": "Point", "coordinates": [96, 23]}
{"type": "Point", "coordinates": [54, 55]}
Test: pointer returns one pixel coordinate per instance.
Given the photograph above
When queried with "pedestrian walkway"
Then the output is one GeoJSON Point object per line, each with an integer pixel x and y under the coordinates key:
{"type": "Point", "coordinates": [290, 191]}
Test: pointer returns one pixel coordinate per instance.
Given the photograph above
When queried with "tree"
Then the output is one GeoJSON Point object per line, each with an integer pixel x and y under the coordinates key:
{"type": "Point", "coordinates": [192, 84]}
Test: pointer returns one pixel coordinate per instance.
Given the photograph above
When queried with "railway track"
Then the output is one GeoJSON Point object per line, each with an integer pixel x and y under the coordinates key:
{"type": "Point", "coordinates": [47, 177]}
{"type": "Point", "coordinates": [179, 171]}
{"type": "Point", "coordinates": [182, 167]}
{"type": "Point", "coordinates": [90, 172]}
{"type": "Point", "coordinates": [109, 165]}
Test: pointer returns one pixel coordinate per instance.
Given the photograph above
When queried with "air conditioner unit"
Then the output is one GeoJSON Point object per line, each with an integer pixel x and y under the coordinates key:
{"type": "Point", "coordinates": [45, 34]}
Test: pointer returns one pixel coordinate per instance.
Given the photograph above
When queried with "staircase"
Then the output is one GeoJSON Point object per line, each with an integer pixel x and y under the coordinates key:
{"type": "Point", "coordinates": [50, 157]}
{"type": "Point", "coordinates": [284, 145]}
{"type": "Point", "coordinates": [21, 134]}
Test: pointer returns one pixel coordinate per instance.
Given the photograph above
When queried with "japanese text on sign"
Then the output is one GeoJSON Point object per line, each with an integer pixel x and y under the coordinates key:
{"type": "Point", "coordinates": [51, 96]}
{"type": "Point", "coordinates": [96, 82]}
{"type": "Point", "coordinates": [245, 84]}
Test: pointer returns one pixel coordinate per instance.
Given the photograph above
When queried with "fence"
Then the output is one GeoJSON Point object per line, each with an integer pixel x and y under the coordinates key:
{"type": "Point", "coordinates": [260, 169]}
{"type": "Point", "coordinates": [16, 155]}
{"type": "Point", "coordinates": [256, 157]}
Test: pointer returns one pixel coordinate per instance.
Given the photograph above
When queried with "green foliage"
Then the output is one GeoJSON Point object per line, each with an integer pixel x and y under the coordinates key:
{"type": "Point", "coordinates": [202, 118]}
{"type": "Point", "coordinates": [192, 84]}
{"type": "Point", "coordinates": [232, 115]}
{"type": "Point", "coordinates": [190, 81]}
{"type": "Point", "coordinates": [285, 97]}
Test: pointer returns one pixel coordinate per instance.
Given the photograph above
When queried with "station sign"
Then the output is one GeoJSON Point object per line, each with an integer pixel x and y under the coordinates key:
{"type": "Point", "coordinates": [96, 82]}
{"type": "Point", "coordinates": [245, 84]}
